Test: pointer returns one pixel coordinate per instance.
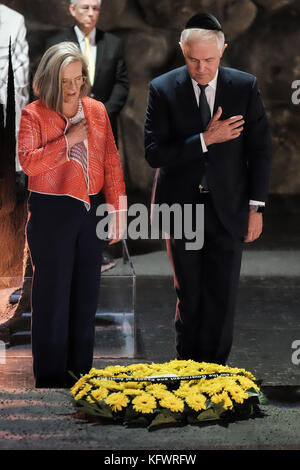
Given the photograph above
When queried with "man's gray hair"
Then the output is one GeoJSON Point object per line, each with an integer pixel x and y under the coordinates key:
{"type": "Point", "coordinates": [188, 35]}
{"type": "Point", "coordinates": [73, 2]}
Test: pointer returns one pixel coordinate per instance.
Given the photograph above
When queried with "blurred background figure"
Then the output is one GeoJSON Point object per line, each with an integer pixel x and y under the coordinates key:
{"type": "Point", "coordinates": [13, 31]}
{"type": "Point", "coordinates": [14, 95]}
{"type": "Point", "coordinates": [104, 53]}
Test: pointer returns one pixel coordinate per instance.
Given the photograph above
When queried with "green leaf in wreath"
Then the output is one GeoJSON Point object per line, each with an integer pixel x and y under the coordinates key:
{"type": "Point", "coordinates": [252, 392]}
{"type": "Point", "coordinates": [131, 415]}
{"type": "Point", "coordinates": [87, 408]}
{"type": "Point", "coordinates": [262, 399]}
{"type": "Point", "coordinates": [164, 418]}
{"type": "Point", "coordinates": [209, 404]}
{"type": "Point", "coordinates": [104, 409]}
{"type": "Point", "coordinates": [212, 414]}
{"type": "Point", "coordinates": [97, 409]}
{"type": "Point", "coordinates": [73, 375]}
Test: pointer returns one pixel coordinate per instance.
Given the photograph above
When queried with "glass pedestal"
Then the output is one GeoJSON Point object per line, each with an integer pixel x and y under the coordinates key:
{"type": "Point", "coordinates": [115, 316]}
{"type": "Point", "coordinates": [115, 331]}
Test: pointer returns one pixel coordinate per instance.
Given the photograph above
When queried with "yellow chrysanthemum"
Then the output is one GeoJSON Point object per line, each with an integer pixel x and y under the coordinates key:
{"type": "Point", "coordinates": [140, 370]}
{"type": "Point", "coordinates": [117, 401]}
{"type": "Point", "coordinates": [136, 385]}
{"type": "Point", "coordinates": [172, 402]}
{"type": "Point", "coordinates": [114, 370]}
{"type": "Point", "coordinates": [238, 394]}
{"type": "Point", "coordinates": [157, 390]}
{"type": "Point", "coordinates": [196, 401]}
{"type": "Point", "coordinates": [211, 387]}
{"type": "Point", "coordinates": [182, 390]}
{"type": "Point", "coordinates": [100, 393]}
{"type": "Point", "coordinates": [132, 391]}
{"type": "Point", "coordinates": [95, 372]}
{"type": "Point", "coordinates": [247, 383]}
{"type": "Point", "coordinates": [96, 382]}
{"type": "Point", "coordinates": [222, 397]}
{"type": "Point", "coordinates": [110, 384]}
{"type": "Point", "coordinates": [79, 385]}
{"type": "Point", "coordinates": [82, 393]}
{"type": "Point", "coordinates": [89, 399]}
{"type": "Point", "coordinates": [144, 403]}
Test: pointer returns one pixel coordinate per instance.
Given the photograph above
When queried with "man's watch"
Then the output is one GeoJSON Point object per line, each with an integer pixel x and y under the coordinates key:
{"type": "Point", "coordinates": [257, 208]}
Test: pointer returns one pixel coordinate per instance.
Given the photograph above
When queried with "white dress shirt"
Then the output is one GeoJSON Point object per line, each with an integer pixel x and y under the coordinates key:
{"type": "Point", "coordinates": [210, 92]}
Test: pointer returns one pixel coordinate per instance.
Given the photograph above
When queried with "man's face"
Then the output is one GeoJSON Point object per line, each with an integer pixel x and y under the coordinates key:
{"type": "Point", "coordinates": [86, 14]}
{"type": "Point", "coordinates": [202, 59]}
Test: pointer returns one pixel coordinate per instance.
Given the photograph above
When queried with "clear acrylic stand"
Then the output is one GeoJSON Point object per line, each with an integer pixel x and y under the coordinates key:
{"type": "Point", "coordinates": [115, 316]}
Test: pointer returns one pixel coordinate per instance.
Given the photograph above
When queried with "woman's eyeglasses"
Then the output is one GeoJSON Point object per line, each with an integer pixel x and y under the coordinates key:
{"type": "Point", "coordinates": [78, 81]}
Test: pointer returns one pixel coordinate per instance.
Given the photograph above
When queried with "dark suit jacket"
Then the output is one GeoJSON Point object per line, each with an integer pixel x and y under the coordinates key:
{"type": "Point", "coordinates": [236, 171]}
{"type": "Point", "coordinates": [111, 83]}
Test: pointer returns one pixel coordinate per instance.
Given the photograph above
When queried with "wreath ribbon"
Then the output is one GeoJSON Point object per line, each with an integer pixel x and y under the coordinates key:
{"type": "Point", "coordinates": [168, 378]}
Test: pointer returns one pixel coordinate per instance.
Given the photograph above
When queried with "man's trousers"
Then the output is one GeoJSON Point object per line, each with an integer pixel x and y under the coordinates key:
{"type": "Point", "coordinates": [206, 284]}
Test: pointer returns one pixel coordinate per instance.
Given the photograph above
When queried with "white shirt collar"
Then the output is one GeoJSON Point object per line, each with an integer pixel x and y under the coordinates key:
{"type": "Point", "coordinates": [212, 83]}
{"type": "Point", "coordinates": [81, 35]}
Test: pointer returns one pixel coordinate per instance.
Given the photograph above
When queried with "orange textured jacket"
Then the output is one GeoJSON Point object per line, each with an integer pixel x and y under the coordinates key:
{"type": "Point", "coordinates": [44, 155]}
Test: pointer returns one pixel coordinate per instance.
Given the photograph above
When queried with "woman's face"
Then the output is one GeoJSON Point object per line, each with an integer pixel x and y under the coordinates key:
{"type": "Point", "coordinates": [71, 82]}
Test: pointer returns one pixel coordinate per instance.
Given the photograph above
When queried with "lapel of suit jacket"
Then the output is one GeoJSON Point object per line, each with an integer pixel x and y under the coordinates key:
{"type": "Point", "coordinates": [72, 36]}
{"type": "Point", "coordinates": [186, 95]}
{"type": "Point", "coordinates": [100, 52]}
{"type": "Point", "coordinates": [223, 91]}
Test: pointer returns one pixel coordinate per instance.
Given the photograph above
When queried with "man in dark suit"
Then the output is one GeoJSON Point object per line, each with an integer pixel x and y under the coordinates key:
{"type": "Point", "coordinates": [108, 71]}
{"type": "Point", "coordinates": [207, 134]}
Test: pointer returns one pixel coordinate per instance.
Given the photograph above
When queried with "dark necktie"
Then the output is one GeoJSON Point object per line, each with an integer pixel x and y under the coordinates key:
{"type": "Point", "coordinates": [204, 109]}
{"type": "Point", "coordinates": [205, 116]}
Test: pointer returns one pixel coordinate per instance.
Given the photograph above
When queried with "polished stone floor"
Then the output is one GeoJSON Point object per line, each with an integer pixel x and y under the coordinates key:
{"type": "Point", "coordinates": [135, 320]}
{"type": "Point", "coordinates": [138, 326]}
{"type": "Point", "coordinates": [267, 325]}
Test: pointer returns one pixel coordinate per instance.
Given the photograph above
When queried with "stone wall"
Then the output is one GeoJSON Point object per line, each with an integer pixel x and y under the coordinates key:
{"type": "Point", "coordinates": [262, 35]}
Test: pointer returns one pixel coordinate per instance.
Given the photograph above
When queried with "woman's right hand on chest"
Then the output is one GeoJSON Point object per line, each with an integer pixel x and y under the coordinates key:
{"type": "Point", "coordinates": [77, 133]}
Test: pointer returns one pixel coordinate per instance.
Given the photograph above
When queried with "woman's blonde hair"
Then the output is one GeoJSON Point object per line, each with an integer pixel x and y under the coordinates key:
{"type": "Point", "coordinates": [47, 82]}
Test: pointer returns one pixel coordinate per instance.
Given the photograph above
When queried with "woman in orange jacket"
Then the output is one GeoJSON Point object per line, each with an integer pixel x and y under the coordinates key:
{"type": "Point", "coordinates": [67, 149]}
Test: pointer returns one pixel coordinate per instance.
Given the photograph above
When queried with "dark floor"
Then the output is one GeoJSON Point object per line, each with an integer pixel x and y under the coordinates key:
{"type": "Point", "coordinates": [267, 321]}
{"type": "Point", "coordinates": [266, 341]}
{"type": "Point", "coordinates": [267, 324]}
